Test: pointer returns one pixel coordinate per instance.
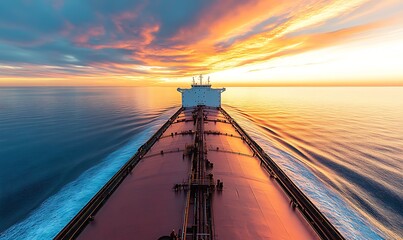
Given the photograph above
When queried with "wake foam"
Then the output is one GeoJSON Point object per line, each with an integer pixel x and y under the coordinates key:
{"type": "Point", "coordinates": [349, 222]}
{"type": "Point", "coordinates": [53, 214]}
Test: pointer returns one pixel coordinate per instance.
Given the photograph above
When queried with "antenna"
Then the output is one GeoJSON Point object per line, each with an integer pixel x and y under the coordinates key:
{"type": "Point", "coordinates": [201, 79]}
{"type": "Point", "coordinates": [194, 81]}
{"type": "Point", "coordinates": [208, 80]}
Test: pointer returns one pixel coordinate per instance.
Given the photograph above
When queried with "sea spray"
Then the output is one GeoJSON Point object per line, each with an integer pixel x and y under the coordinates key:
{"type": "Point", "coordinates": [55, 212]}
{"type": "Point", "coordinates": [350, 223]}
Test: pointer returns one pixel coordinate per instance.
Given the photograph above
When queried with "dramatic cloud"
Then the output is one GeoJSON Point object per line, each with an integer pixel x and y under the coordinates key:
{"type": "Point", "coordinates": [147, 42]}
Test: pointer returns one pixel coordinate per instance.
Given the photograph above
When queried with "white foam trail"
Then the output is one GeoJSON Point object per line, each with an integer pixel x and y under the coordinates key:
{"type": "Point", "coordinates": [47, 220]}
{"type": "Point", "coordinates": [349, 222]}
{"type": "Point", "coordinates": [346, 220]}
{"type": "Point", "coordinates": [55, 212]}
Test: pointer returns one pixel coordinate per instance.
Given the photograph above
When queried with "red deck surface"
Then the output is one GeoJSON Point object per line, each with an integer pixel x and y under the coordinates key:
{"type": "Point", "coordinates": [251, 205]}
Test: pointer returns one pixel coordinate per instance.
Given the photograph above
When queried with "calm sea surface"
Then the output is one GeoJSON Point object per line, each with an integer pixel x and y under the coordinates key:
{"type": "Point", "coordinates": [342, 146]}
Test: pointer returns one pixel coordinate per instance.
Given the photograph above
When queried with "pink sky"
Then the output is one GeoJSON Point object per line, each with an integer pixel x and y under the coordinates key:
{"type": "Point", "coordinates": [253, 42]}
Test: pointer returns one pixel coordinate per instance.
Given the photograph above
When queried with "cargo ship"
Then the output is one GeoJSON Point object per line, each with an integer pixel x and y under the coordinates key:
{"type": "Point", "coordinates": [200, 176]}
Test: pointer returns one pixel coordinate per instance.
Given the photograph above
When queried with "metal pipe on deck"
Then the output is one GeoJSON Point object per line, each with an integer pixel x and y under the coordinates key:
{"type": "Point", "coordinates": [311, 213]}
{"type": "Point", "coordinates": [202, 99]}
{"type": "Point", "coordinates": [78, 223]}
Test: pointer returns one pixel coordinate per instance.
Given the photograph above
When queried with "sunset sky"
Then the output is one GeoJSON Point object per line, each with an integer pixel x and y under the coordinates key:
{"type": "Point", "coordinates": [236, 42]}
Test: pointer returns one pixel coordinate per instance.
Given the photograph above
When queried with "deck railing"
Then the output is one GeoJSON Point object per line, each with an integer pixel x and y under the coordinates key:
{"type": "Point", "coordinates": [322, 226]}
{"type": "Point", "coordinates": [87, 214]}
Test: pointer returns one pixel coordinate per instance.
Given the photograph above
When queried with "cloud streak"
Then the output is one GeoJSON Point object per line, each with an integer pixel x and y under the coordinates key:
{"type": "Point", "coordinates": [154, 40]}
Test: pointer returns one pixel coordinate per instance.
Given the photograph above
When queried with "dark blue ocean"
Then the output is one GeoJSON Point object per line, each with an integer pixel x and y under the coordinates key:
{"type": "Point", "coordinates": [342, 146]}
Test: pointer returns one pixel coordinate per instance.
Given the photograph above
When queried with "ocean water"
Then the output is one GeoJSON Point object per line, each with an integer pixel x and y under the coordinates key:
{"type": "Point", "coordinates": [342, 146]}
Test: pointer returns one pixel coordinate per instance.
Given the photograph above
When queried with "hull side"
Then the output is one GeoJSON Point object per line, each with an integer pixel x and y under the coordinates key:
{"type": "Point", "coordinates": [195, 148]}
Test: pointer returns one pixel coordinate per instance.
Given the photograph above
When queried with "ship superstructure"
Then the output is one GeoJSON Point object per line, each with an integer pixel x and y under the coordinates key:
{"type": "Point", "coordinates": [201, 93]}
{"type": "Point", "coordinates": [200, 177]}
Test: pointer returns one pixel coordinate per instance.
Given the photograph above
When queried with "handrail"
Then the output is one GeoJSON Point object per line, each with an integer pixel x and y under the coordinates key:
{"type": "Point", "coordinates": [311, 213]}
{"type": "Point", "coordinates": [187, 204]}
{"type": "Point", "coordinates": [78, 223]}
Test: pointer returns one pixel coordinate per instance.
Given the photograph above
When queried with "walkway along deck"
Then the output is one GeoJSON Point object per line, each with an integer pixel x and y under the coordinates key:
{"type": "Point", "coordinates": [86, 215]}
{"type": "Point", "coordinates": [202, 174]}
{"type": "Point", "coordinates": [311, 213]}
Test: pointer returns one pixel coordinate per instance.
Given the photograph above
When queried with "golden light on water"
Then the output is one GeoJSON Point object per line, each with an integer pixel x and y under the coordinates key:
{"type": "Point", "coordinates": [347, 136]}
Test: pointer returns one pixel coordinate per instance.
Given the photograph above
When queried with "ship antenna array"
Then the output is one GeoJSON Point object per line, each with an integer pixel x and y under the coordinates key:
{"type": "Point", "coordinates": [200, 78]}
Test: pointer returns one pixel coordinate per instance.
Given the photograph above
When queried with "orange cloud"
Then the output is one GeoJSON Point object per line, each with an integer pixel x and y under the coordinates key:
{"type": "Point", "coordinates": [91, 32]}
{"type": "Point", "coordinates": [225, 35]}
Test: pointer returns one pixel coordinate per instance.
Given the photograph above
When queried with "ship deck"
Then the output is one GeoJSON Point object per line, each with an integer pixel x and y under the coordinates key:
{"type": "Point", "coordinates": [251, 204]}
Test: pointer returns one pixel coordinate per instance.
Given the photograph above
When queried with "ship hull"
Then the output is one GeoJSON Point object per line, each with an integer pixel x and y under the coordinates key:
{"type": "Point", "coordinates": [202, 176]}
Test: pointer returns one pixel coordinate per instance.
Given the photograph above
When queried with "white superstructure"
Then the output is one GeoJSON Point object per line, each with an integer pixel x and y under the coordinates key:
{"type": "Point", "coordinates": [201, 94]}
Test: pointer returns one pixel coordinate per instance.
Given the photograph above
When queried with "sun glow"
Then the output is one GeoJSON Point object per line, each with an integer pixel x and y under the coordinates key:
{"type": "Point", "coordinates": [261, 43]}
{"type": "Point", "coordinates": [374, 64]}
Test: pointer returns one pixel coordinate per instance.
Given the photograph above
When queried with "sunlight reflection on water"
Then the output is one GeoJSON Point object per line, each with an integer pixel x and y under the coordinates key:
{"type": "Point", "coordinates": [351, 139]}
{"type": "Point", "coordinates": [342, 146]}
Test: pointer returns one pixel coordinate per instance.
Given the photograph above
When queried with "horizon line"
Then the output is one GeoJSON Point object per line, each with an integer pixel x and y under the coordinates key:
{"type": "Point", "coordinates": [218, 85]}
